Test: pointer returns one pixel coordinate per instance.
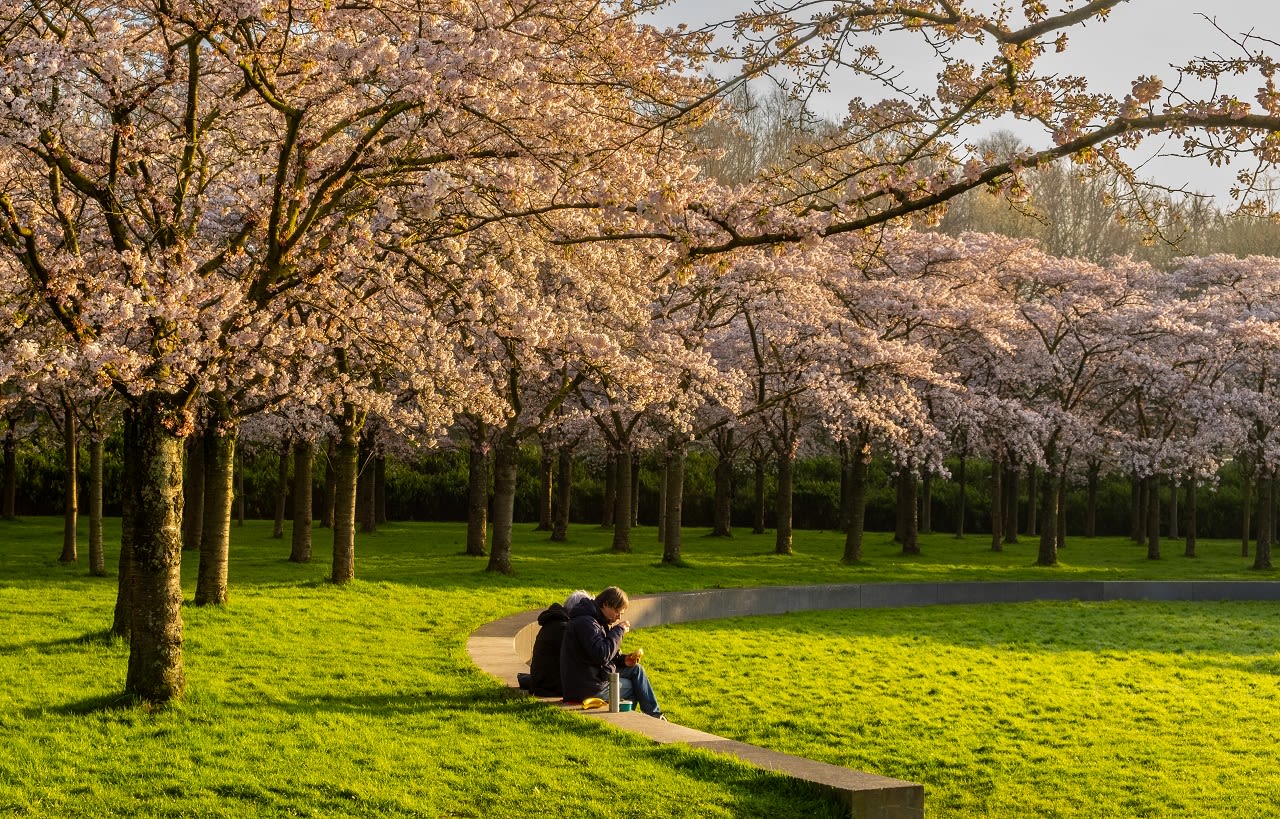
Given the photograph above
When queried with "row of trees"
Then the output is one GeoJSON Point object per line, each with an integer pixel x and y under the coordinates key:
{"type": "Point", "coordinates": [488, 217]}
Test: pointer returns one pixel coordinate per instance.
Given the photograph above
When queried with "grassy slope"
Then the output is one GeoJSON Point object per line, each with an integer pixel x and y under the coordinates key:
{"type": "Point", "coordinates": [311, 700]}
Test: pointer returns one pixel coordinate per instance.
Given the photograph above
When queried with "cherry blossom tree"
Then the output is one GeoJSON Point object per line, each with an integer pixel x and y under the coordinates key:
{"type": "Point", "coordinates": [177, 176]}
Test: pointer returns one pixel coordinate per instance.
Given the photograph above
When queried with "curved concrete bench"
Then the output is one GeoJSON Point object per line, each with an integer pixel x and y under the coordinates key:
{"type": "Point", "coordinates": [502, 648]}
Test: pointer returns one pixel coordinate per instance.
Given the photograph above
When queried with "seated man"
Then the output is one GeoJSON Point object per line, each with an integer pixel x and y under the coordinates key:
{"type": "Point", "coordinates": [543, 679]}
{"type": "Point", "coordinates": [591, 651]}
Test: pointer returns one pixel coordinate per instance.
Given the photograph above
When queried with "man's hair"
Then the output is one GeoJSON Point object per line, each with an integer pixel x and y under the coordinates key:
{"type": "Point", "coordinates": [613, 597]}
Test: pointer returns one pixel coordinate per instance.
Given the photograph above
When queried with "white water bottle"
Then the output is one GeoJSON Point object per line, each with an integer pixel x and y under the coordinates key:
{"type": "Point", "coordinates": [613, 692]}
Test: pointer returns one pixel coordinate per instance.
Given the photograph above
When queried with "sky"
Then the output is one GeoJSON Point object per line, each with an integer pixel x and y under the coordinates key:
{"type": "Point", "coordinates": [1141, 37]}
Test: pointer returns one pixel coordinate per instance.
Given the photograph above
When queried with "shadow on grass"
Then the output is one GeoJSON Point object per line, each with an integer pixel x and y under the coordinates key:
{"type": "Point", "coordinates": [103, 637]}
{"type": "Point", "coordinates": [103, 703]}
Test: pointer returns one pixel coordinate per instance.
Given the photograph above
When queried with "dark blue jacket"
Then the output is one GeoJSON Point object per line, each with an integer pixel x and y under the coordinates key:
{"type": "Point", "coordinates": [589, 652]}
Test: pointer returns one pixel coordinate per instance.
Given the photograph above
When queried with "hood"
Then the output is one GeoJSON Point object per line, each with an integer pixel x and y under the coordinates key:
{"type": "Point", "coordinates": [555, 612]}
{"type": "Point", "coordinates": [587, 608]}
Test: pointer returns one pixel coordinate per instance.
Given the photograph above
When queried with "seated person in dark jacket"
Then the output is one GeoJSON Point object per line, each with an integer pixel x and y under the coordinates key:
{"type": "Point", "coordinates": [543, 679]}
{"type": "Point", "coordinates": [591, 651]}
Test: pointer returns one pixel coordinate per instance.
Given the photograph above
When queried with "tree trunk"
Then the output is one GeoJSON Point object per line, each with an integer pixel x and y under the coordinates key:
{"type": "Point", "coordinates": [9, 480]}
{"type": "Point", "coordinates": [1048, 555]}
{"type": "Point", "coordinates": [635, 491]}
{"type": "Point", "coordinates": [380, 489]}
{"type": "Point", "coordinates": [329, 490]}
{"type": "Point", "coordinates": [215, 538]}
{"type": "Point", "coordinates": [238, 494]}
{"type": "Point", "coordinates": [962, 494]}
{"type": "Point", "coordinates": [303, 461]}
{"type": "Point", "coordinates": [1091, 500]}
{"type": "Point", "coordinates": [506, 464]}
{"type": "Point", "coordinates": [1033, 492]}
{"type": "Point", "coordinates": [1140, 511]}
{"type": "Point", "coordinates": [366, 488]}
{"type": "Point", "coordinates": [997, 506]}
{"type": "Point", "coordinates": [662, 500]}
{"type": "Point", "coordinates": [1266, 509]}
{"type": "Point", "coordinates": [610, 491]}
{"type": "Point", "coordinates": [926, 502]}
{"type": "Point", "coordinates": [155, 505]}
{"type": "Point", "coordinates": [1173, 507]}
{"type": "Point", "coordinates": [1010, 505]}
{"type": "Point", "coordinates": [621, 463]}
{"type": "Point", "coordinates": [857, 505]}
{"type": "Point", "coordinates": [784, 498]}
{"type": "Point", "coordinates": [346, 466]}
{"type": "Point", "coordinates": [1246, 500]}
{"type": "Point", "coordinates": [1153, 517]}
{"type": "Point", "coordinates": [564, 494]}
{"type": "Point", "coordinates": [909, 505]}
{"type": "Point", "coordinates": [1190, 549]}
{"type": "Point", "coordinates": [722, 509]}
{"type": "Point", "coordinates": [97, 553]}
{"type": "Point", "coordinates": [282, 488]}
{"type": "Point", "coordinates": [71, 480]}
{"type": "Point", "coordinates": [131, 475]}
{"type": "Point", "coordinates": [1060, 522]}
{"type": "Point", "coordinates": [757, 525]}
{"type": "Point", "coordinates": [193, 494]}
{"type": "Point", "coordinates": [673, 514]}
{"type": "Point", "coordinates": [546, 488]}
{"type": "Point", "coordinates": [478, 495]}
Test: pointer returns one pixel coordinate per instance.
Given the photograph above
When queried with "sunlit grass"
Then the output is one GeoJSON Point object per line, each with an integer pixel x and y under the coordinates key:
{"type": "Point", "coordinates": [1039, 709]}
{"type": "Point", "coordinates": [306, 699]}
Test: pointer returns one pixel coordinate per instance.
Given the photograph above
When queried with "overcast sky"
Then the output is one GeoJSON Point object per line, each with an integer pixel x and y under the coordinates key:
{"type": "Point", "coordinates": [1142, 37]}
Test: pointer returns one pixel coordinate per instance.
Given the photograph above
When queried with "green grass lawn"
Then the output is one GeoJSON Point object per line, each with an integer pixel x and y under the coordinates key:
{"type": "Point", "coordinates": [306, 699]}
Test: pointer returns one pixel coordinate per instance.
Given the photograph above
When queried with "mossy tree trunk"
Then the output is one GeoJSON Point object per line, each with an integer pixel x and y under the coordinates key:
{"type": "Point", "coordinates": [564, 493]}
{"type": "Point", "coordinates": [193, 494]}
{"type": "Point", "coordinates": [97, 555]}
{"type": "Point", "coordinates": [282, 487]}
{"type": "Point", "coordinates": [784, 498]}
{"type": "Point", "coordinates": [346, 468]}
{"type": "Point", "coordinates": [155, 672]}
{"type": "Point", "coordinates": [997, 505]}
{"type": "Point", "coordinates": [621, 464]}
{"type": "Point", "coordinates": [546, 487]}
{"type": "Point", "coordinates": [219, 492]}
{"type": "Point", "coordinates": [9, 475]}
{"type": "Point", "coordinates": [909, 506]}
{"type": "Point", "coordinates": [1266, 509]}
{"type": "Point", "coordinates": [1192, 517]}
{"type": "Point", "coordinates": [478, 492]}
{"type": "Point", "coordinates": [722, 505]}
{"type": "Point", "coordinates": [303, 462]}
{"type": "Point", "coordinates": [1153, 517]}
{"type": "Point", "coordinates": [859, 458]}
{"type": "Point", "coordinates": [506, 463]}
{"type": "Point", "coordinates": [673, 513]}
{"type": "Point", "coordinates": [1048, 486]}
{"type": "Point", "coordinates": [71, 481]}
{"type": "Point", "coordinates": [1010, 505]}
{"type": "Point", "coordinates": [1091, 499]}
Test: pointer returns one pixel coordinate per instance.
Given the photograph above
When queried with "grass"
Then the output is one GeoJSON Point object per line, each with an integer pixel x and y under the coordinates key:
{"type": "Point", "coordinates": [1045, 709]}
{"type": "Point", "coordinates": [306, 699]}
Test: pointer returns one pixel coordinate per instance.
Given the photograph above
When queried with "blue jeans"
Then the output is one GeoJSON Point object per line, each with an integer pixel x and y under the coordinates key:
{"type": "Point", "coordinates": [633, 684]}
